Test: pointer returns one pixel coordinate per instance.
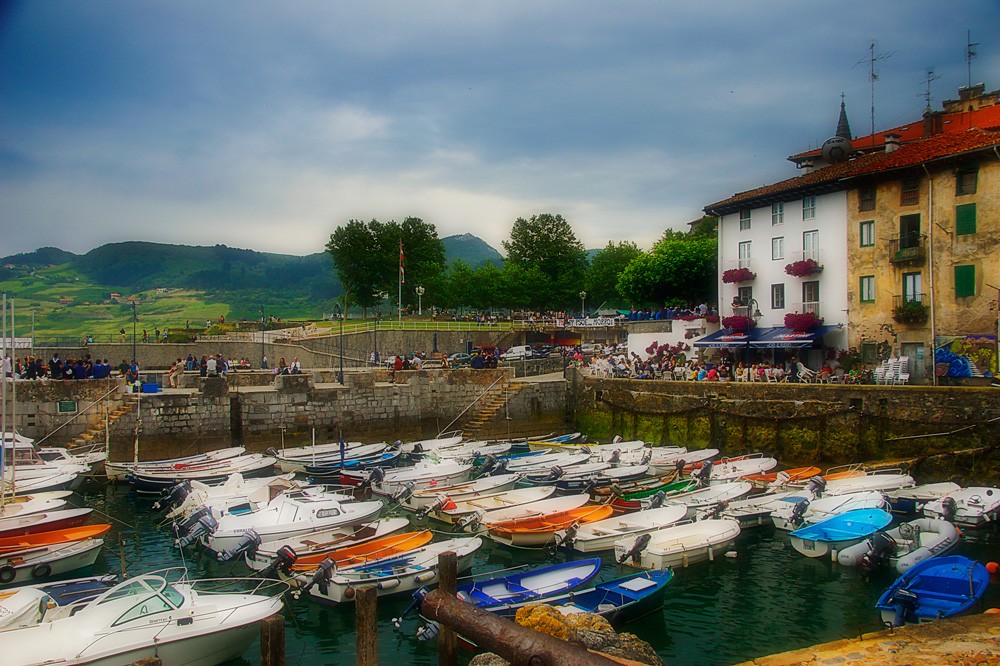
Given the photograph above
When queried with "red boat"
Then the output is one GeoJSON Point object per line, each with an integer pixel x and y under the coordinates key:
{"type": "Point", "coordinates": [43, 522]}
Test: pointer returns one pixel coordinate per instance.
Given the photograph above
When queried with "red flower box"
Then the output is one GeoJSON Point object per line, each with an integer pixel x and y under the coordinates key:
{"type": "Point", "coordinates": [737, 275]}
{"type": "Point", "coordinates": [737, 323]}
{"type": "Point", "coordinates": [803, 268]}
{"type": "Point", "coordinates": [801, 322]}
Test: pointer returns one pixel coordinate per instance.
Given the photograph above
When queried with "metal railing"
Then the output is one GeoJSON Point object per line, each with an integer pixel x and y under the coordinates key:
{"type": "Point", "coordinates": [907, 248]}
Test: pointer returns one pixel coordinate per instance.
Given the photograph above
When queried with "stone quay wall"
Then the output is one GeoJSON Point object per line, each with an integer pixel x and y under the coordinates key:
{"type": "Point", "coordinates": [951, 432]}
{"type": "Point", "coordinates": [224, 411]}
{"type": "Point", "coordinates": [60, 410]}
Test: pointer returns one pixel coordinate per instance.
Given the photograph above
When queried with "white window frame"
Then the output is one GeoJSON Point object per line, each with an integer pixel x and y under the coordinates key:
{"type": "Point", "coordinates": [777, 214]}
{"type": "Point", "coordinates": [775, 303]}
{"type": "Point", "coordinates": [809, 208]}
{"type": "Point", "coordinates": [777, 248]}
{"type": "Point", "coordinates": [810, 244]}
{"type": "Point", "coordinates": [744, 219]}
{"type": "Point", "coordinates": [744, 254]}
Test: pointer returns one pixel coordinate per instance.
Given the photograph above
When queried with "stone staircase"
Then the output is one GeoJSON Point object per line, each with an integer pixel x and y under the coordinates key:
{"type": "Point", "coordinates": [487, 408]}
{"type": "Point", "coordinates": [94, 435]}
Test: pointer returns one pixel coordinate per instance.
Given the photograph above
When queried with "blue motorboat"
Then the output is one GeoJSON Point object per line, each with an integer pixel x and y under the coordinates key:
{"type": "Point", "coordinates": [502, 592]}
{"type": "Point", "coordinates": [933, 589]}
{"type": "Point", "coordinates": [834, 534]}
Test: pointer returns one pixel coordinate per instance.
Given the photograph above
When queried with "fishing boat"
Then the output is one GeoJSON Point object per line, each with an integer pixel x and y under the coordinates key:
{"type": "Point", "coordinates": [883, 481]}
{"type": "Point", "coordinates": [38, 563]}
{"type": "Point", "coordinates": [189, 496]}
{"type": "Point", "coordinates": [800, 509]}
{"type": "Point", "coordinates": [37, 503]}
{"type": "Point", "coordinates": [542, 507]}
{"type": "Point", "coordinates": [701, 498]}
{"type": "Point", "coordinates": [605, 477]}
{"type": "Point", "coordinates": [333, 470]}
{"type": "Point", "coordinates": [602, 534]}
{"type": "Point", "coordinates": [540, 530]}
{"type": "Point", "coordinates": [757, 510]}
{"type": "Point", "coordinates": [913, 499]}
{"type": "Point", "coordinates": [652, 496]}
{"type": "Point", "coordinates": [621, 600]}
{"type": "Point", "coordinates": [149, 482]}
{"type": "Point", "coordinates": [326, 541]}
{"type": "Point", "coordinates": [356, 555]}
{"type": "Point", "coordinates": [393, 575]}
{"type": "Point", "coordinates": [182, 624]}
{"type": "Point", "coordinates": [427, 500]}
{"type": "Point", "coordinates": [466, 451]}
{"type": "Point", "coordinates": [776, 480]}
{"type": "Point", "coordinates": [296, 460]}
{"type": "Point", "coordinates": [832, 535]}
{"type": "Point", "coordinates": [904, 546]}
{"type": "Point", "coordinates": [666, 462]}
{"type": "Point", "coordinates": [546, 461]}
{"type": "Point", "coordinates": [53, 537]}
{"type": "Point", "coordinates": [43, 522]}
{"type": "Point", "coordinates": [733, 469]}
{"type": "Point", "coordinates": [549, 476]}
{"type": "Point", "coordinates": [933, 589]}
{"type": "Point", "coordinates": [422, 445]}
{"type": "Point", "coordinates": [681, 545]}
{"type": "Point", "coordinates": [504, 594]}
{"type": "Point", "coordinates": [415, 479]}
{"type": "Point", "coordinates": [500, 499]}
{"type": "Point", "coordinates": [118, 471]}
{"type": "Point", "coordinates": [968, 507]}
{"type": "Point", "coordinates": [43, 483]}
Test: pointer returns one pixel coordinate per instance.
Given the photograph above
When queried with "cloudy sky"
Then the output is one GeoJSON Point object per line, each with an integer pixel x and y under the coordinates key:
{"type": "Point", "coordinates": [264, 125]}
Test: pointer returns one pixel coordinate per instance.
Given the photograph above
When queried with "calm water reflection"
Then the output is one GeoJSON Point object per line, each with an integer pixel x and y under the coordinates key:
{"type": "Point", "coordinates": [766, 600]}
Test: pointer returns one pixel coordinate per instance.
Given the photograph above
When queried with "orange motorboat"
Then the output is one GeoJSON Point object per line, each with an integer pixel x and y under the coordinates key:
{"type": "Point", "coordinates": [796, 475]}
{"type": "Point", "coordinates": [539, 530]}
{"type": "Point", "coordinates": [52, 538]}
{"type": "Point", "coordinates": [350, 556]}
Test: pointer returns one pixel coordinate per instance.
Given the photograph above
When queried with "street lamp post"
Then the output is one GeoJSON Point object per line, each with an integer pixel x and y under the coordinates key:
{"type": "Point", "coordinates": [378, 315]}
{"type": "Point", "coordinates": [583, 301]}
{"type": "Point", "coordinates": [753, 314]}
{"type": "Point", "coordinates": [263, 325]}
{"type": "Point", "coordinates": [134, 317]}
{"type": "Point", "coordinates": [420, 299]}
{"type": "Point", "coordinates": [340, 315]}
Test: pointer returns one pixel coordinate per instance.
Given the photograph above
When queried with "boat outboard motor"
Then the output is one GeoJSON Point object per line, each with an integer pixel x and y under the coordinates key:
{"type": "Point", "coordinates": [324, 572]}
{"type": "Point", "coordinates": [635, 552]}
{"type": "Point", "coordinates": [205, 525]}
{"type": "Point", "coordinates": [185, 525]}
{"type": "Point", "coordinates": [798, 515]}
{"type": "Point", "coordinates": [283, 561]}
{"type": "Point", "coordinates": [375, 475]}
{"type": "Point", "coordinates": [948, 508]}
{"type": "Point", "coordinates": [906, 603]}
{"type": "Point", "coordinates": [488, 463]}
{"type": "Point", "coordinates": [816, 486]}
{"type": "Point", "coordinates": [554, 473]}
{"type": "Point", "coordinates": [615, 457]}
{"type": "Point", "coordinates": [470, 523]}
{"type": "Point", "coordinates": [404, 492]}
{"type": "Point", "coordinates": [615, 490]}
{"type": "Point", "coordinates": [249, 543]}
{"type": "Point", "coordinates": [567, 536]}
{"type": "Point", "coordinates": [713, 511]}
{"type": "Point", "coordinates": [589, 488]}
{"type": "Point", "coordinates": [174, 496]}
{"type": "Point", "coordinates": [647, 457]}
{"type": "Point", "coordinates": [881, 547]}
{"type": "Point", "coordinates": [679, 467]}
{"type": "Point", "coordinates": [705, 473]}
{"type": "Point", "coordinates": [616, 439]}
{"type": "Point", "coordinates": [586, 449]}
{"type": "Point", "coordinates": [500, 468]}
{"type": "Point", "coordinates": [417, 449]}
{"type": "Point", "coordinates": [271, 451]}
{"type": "Point", "coordinates": [655, 502]}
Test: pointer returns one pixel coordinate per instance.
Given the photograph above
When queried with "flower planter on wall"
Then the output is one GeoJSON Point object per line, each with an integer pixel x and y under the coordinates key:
{"type": "Point", "coordinates": [738, 275]}
{"type": "Point", "coordinates": [803, 268]}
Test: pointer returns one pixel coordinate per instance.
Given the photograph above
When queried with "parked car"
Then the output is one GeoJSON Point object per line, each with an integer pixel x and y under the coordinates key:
{"type": "Point", "coordinates": [461, 358]}
{"type": "Point", "coordinates": [590, 348]}
{"type": "Point", "coordinates": [517, 353]}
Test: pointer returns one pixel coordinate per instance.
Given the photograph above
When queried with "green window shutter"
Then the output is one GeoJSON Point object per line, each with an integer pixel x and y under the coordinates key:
{"type": "Point", "coordinates": [965, 219]}
{"type": "Point", "coordinates": [965, 281]}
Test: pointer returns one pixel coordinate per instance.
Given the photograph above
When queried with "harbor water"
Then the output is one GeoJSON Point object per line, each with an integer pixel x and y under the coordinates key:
{"type": "Point", "coordinates": [766, 599]}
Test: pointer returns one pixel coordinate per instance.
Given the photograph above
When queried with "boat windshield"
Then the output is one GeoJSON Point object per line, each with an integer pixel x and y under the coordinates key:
{"type": "Point", "coordinates": [134, 587]}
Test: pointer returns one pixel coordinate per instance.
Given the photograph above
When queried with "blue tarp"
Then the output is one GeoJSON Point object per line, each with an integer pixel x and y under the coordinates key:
{"type": "Point", "coordinates": [785, 337]}
{"type": "Point", "coordinates": [726, 338]}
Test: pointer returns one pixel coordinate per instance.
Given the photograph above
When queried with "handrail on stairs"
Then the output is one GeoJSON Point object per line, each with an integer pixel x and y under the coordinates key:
{"type": "Point", "coordinates": [477, 399]}
{"type": "Point", "coordinates": [82, 411]}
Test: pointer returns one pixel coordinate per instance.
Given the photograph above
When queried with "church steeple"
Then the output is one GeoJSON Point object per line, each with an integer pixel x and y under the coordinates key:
{"type": "Point", "coordinates": [843, 127]}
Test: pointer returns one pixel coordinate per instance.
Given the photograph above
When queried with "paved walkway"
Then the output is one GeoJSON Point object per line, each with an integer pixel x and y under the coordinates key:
{"type": "Point", "coordinates": [965, 641]}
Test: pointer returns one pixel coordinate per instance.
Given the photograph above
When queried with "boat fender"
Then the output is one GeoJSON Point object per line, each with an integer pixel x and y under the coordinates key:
{"type": "Point", "coordinates": [41, 571]}
{"type": "Point", "coordinates": [348, 592]}
{"type": "Point", "coordinates": [390, 583]}
{"type": "Point", "coordinates": [7, 574]}
{"type": "Point", "coordinates": [249, 544]}
{"type": "Point", "coordinates": [948, 508]}
{"type": "Point", "coordinates": [283, 561]}
{"type": "Point", "coordinates": [422, 577]}
{"type": "Point", "coordinates": [635, 552]}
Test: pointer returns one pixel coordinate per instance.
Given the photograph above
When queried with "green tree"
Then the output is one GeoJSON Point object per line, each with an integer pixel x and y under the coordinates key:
{"type": "Point", "coordinates": [547, 242]}
{"type": "Point", "coordinates": [350, 247]}
{"type": "Point", "coordinates": [675, 269]}
{"type": "Point", "coordinates": [605, 269]}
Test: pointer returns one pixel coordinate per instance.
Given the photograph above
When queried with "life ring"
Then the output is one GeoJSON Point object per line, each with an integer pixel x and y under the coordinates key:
{"type": "Point", "coordinates": [41, 571]}
{"type": "Point", "coordinates": [7, 574]}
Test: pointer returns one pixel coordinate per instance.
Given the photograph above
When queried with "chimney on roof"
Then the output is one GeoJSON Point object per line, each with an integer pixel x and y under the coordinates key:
{"type": "Point", "coordinates": [965, 93]}
{"type": "Point", "coordinates": [892, 142]}
{"type": "Point", "coordinates": [932, 123]}
{"type": "Point", "coordinates": [807, 166]}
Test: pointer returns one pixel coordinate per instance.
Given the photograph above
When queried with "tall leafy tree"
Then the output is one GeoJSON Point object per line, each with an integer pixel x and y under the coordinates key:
{"type": "Point", "coordinates": [350, 246]}
{"type": "Point", "coordinates": [547, 243]}
{"type": "Point", "coordinates": [681, 269]}
{"type": "Point", "coordinates": [605, 269]}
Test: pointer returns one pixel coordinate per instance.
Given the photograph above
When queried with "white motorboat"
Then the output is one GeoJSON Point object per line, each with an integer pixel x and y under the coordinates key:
{"type": "Point", "coordinates": [426, 500]}
{"type": "Point", "coordinates": [557, 473]}
{"type": "Point", "coordinates": [665, 462]}
{"type": "Point", "coordinates": [756, 511]}
{"type": "Point", "coordinates": [903, 546]}
{"type": "Point", "coordinates": [325, 541]}
{"type": "Point", "coordinates": [911, 499]}
{"type": "Point", "coordinates": [968, 507]}
{"type": "Point", "coordinates": [423, 445]}
{"type": "Point", "coordinates": [468, 451]}
{"type": "Point", "coordinates": [295, 460]}
{"type": "Point", "coordinates": [48, 482]}
{"type": "Point", "coordinates": [501, 499]}
{"type": "Point", "coordinates": [393, 575]}
{"type": "Point", "coordinates": [681, 545]}
{"type": "Point", "coordinates": [189, 496]}
{"type": "Point", "coordinates": [39, 503]}
{"type": "Point", "coordinates": [882, 481]}
{"type": "Point", "coordinates": [182, 624]}
{"type": "Point", "coordinates": [417, 478]}
{"type": "Point", "coordinates": [118, 471]}
{"type": "Point", "coordinates": [19, 567]}
{"type": "Point", "coordinates": [602, 534]}
{"type": "Point", "coordinates": [545, 461]}
{"type": "Point", "coordinates": [695, 500]}
{"type": "Point", "coordinates": [21, 457]}
{"type": "Point", "coordinates": [796, 513]}
{"type": "Point", "coordinates": [731, 470]}
{"type": "Point", "coordinates": [156, 482]}
{"type": "Point", "coordinates": [528, 510]}
{"type": "Point", "coordinates": [282, 518]}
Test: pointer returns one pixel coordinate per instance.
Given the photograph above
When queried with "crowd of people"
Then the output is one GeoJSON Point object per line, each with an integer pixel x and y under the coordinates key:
{"type": "Point", "coordinates": [678, 367]}
{"type": "Point", "coordinates": [34, 367]}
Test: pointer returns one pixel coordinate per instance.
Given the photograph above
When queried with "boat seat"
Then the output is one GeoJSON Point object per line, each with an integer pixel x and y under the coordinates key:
{"type": "Point", "coordinates": [943, 596]}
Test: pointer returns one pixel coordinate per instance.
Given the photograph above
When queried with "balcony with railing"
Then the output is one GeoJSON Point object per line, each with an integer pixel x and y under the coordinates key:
{"type": "Point", "coordinates": [908, 249]}
{"type": "Point", "coordinates": [807, 307]}
{"type": "Point", "coordinates": [910, 308]}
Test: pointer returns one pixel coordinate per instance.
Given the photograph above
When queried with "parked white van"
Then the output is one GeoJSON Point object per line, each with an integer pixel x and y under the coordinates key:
{"type": "Point", "coordinates": [516, 353]}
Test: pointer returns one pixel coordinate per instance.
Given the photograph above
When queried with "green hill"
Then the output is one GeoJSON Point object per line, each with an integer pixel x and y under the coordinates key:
{"type": "Point", "coordinates": [472, 250]}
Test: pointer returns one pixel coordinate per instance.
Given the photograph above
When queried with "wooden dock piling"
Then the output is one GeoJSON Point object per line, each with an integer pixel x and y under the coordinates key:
{"type": "Point", "coordinates": [272, 641]}
{"type": "Point", "coordinates": [448, 584]}
{"type": "Point", "coordinates": [366, 617]}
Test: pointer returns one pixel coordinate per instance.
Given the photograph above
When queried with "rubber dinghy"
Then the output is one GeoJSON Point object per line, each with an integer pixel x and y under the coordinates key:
{"type": "Point", "coordinates": [904, 546]}
{"type": "Point", "coordinates": [681, 545]}
{"type": "Point", "coordinates": [933, 589]}
{"type": "Point", "coordinates": [834, 534]}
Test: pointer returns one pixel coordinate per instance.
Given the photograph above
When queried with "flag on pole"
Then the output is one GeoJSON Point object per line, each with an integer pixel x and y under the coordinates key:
{"type": "Point", "coordinates": [402, 264]}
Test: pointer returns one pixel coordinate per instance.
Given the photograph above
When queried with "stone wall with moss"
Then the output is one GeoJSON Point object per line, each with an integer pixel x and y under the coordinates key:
{"type": "Point", "coordinates": [803, 424]}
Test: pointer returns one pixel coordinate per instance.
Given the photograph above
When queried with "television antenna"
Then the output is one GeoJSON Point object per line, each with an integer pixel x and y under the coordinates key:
{"type": "Point", "coordinates": [970, 53]}
{"type": "Point", "coordinates": [928, 77]}
{"type": "Point", "coordinates": [870, 60]}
